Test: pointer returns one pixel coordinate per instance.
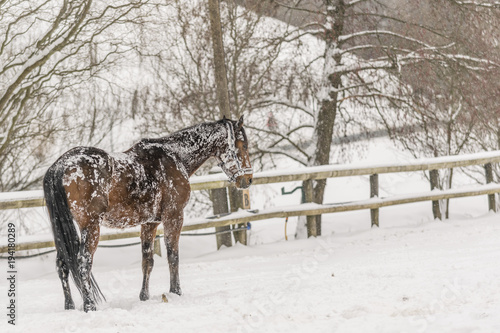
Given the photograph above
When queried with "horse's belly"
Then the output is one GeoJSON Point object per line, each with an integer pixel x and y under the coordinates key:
{"type": "Point", "coordinates": [125, 218]}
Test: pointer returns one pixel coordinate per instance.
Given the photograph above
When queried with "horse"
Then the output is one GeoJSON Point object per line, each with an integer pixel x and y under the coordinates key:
{"type": "Point", "coordinates": [146, 185]}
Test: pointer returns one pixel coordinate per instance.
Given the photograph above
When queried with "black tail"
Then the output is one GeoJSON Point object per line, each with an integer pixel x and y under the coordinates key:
{"type": "Point", "coordinates": [66, 236]}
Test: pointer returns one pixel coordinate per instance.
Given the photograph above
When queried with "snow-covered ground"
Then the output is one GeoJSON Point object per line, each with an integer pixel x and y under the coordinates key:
{"type": "Point", "coordinates": [412, 274]}
{"type": "Point", "coordinates": [434, 277]}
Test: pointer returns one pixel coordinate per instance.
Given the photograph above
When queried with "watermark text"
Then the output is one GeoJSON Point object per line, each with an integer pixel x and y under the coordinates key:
{"type": "Point", "coordinates": [11, 274]}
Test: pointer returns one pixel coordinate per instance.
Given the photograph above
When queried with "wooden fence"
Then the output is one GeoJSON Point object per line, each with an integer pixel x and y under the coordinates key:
{"type": "Point", "coordinates": [374, 203]}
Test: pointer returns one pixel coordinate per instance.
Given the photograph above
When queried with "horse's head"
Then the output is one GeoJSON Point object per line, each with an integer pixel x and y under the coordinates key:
{"type": "Point", "coordinates": [234, 159]}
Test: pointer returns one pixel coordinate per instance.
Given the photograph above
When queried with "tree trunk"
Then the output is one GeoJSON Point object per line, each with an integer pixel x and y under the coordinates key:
{"type": "Point", "coordinates": [434, 180]}
{"type": "Point", "coordinates": [222, 92]}
{"type": "Point", "coordinates": [219, 62]}
{"type": "Point", "coordinates": [325, 117]}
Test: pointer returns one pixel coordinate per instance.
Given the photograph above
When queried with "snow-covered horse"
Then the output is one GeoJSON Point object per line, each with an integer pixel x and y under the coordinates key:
{"type": "Point", "coordinates": [147, 185]}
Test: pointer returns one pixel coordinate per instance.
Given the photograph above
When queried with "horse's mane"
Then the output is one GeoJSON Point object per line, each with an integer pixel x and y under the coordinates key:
{"type": "Point", "coordinates": [177, 136]}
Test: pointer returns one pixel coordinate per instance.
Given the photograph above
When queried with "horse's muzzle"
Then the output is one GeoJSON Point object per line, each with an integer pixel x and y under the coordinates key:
{"type": "Point", "coordinates": [243, 182]}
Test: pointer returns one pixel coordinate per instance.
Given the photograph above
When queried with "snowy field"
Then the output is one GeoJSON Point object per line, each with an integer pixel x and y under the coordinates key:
{"type": "Point", "coordinates": [412, 274]}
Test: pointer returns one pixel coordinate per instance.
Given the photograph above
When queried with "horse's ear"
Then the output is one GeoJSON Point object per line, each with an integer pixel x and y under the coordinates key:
{"type": "Point", "coordinates": [240, 123]}
{"type": "Point", "coordinates": [224, 118]}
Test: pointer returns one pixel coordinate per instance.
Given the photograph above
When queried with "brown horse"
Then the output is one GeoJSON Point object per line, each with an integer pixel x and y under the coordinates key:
{"type": "Point", "coordinates": [147, 185]}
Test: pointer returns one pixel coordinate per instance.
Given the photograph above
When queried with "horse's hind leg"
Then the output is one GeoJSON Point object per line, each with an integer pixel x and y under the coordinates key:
{"type": "Point", "coordinates": [172, 228]}
{"type": "Point", "coordinates": [88, 245]}
{"type": "Point", "coordinates": [148, 234]}
{"type": "Point", "coordinates": [63, 272]}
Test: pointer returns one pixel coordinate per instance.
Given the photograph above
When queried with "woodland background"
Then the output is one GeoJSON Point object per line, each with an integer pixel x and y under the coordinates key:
{"type": "Point", "coordinates": [314, 79]}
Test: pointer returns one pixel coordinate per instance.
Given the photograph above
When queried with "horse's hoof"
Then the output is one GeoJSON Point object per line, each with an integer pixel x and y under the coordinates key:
{"type": "Point", "coordinates": [89, 307]}
{"type": "Point", "coordinates": [69, 306]}
{"type": "Point", "coordinates": [144, 296]}
{"type": "Point", "coordinates": [176, 291]}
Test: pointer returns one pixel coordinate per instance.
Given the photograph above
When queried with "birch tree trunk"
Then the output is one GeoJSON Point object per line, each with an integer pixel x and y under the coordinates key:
{"type": "Point", "coordinates": [325, 116]}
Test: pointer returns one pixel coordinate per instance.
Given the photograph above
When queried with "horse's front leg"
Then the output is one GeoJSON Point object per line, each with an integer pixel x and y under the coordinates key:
{"type": "Point", "coordinates": [172, 226]}
{"type": "Point", "coordinates": [148, 234]}
{"type": "Point", "coordinates": [88, 246]}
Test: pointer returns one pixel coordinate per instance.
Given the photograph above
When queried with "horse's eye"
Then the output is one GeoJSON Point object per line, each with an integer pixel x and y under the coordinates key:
{"type": "Point", "coordinates": [245, 147]}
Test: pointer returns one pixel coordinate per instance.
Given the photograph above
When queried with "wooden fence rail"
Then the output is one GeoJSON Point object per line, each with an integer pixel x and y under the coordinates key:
{"type": "Point", "coordinates": [35, 198]}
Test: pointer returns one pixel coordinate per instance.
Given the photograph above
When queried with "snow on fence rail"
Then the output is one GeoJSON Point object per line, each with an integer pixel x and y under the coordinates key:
{"type": "Point", "coordinates": [14, 200]}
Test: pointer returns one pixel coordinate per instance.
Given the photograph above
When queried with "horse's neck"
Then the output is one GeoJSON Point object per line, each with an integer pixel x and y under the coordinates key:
{"type": "Point", "coordinates": [194, 145]}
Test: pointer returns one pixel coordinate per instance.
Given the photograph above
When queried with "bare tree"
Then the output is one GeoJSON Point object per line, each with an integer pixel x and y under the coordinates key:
{"type": "Point", "coordinates": [450, 97]}
{"type": "Point", "coordinates": [44, 48]}
{"type": "Point", "coordinates": [369, 47]}
{"type": "Point", "coordinates": [180, 89]}
{"type": "Point", "coordinates": [183, 87]}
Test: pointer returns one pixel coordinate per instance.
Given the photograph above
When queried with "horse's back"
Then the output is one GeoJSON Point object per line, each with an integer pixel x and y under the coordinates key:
{"type": "Point", "coordinates": [82, 156]}
{"type": "Point", "coordinates": [123, 189]}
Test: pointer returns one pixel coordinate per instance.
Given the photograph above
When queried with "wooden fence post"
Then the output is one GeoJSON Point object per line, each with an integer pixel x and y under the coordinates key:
{"type": "Point", "coordinates": [374, 193]}
{"type": "Point", "coordinates": [221, 206]}
{"type": "Point", "coordinates": [434, 176]}
{"type": "Point", "coordinates": [492, 205]}
{"type": "Point", "coordinates": [239, 199]}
